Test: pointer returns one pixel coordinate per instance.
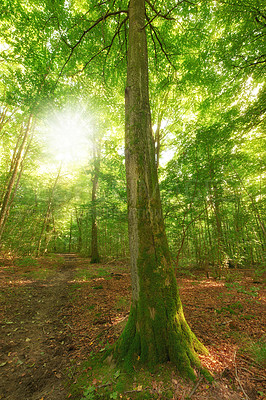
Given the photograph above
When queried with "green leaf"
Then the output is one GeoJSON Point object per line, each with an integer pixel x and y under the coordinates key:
{"type": "Point", "coordinates": [117, 374]}
{"type": "Point", "coordinates": [3, 364]}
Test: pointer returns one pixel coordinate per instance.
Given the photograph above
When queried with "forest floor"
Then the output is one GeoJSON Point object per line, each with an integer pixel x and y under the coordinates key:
{"type": "Point", "coordinates": [57, 313]}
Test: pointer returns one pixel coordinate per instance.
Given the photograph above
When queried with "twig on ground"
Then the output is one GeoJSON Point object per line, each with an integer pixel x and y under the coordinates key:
{"type": "Point", "coordinates": [105, 385]}
{"type": "Point", "coordinates": [246, 358]}
{"type": "Point", "coordinates": [195, 387]}
{"type": "Point", "coordinates": [263, 378]}
{"type": "Point", "coordinates": [238, 380]}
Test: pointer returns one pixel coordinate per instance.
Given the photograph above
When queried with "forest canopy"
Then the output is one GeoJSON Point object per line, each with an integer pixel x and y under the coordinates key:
{"type": "Point", "coordinates": [63, 77]}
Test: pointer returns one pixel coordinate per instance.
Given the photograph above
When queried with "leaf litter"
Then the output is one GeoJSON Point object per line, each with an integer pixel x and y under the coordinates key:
{"type": "Point", "coordinates": [83, 307]}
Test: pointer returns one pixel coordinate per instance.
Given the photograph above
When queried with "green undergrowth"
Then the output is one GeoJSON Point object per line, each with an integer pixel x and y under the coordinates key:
{"type": "Point", "coordinates": [55, 259]}
{"type": "Point", "coordinates": [86, 274]}
{"type": "Point", "coordinates": [39, 274]}
{"type": "Point", "coordinates": [98, 379]}
{"type": "Point", "coordinates": [233, 276]}
{"type": "Point", "coordinates": [50, 261]}
{"type": "Point", "coordinates": [252, 291]}
{"type": "Point", "coordinates": [28, 267]}
{"type": "Point", "coordinates": [26, 262]}
{"type": "Point", "coordinates": [233, 308]}
{"type": "Point", "coordinates": [255, 349]}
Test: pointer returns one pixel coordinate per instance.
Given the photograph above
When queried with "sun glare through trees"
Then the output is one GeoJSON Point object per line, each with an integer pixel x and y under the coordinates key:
{"type": "Point", "coordinates": [68, 137]}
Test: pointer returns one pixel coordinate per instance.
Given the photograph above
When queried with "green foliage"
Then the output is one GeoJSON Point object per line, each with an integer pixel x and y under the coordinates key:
{"type": "Point", "coordinates": [98, 287]}
{"type": "Point", "coordinates": [26, 262]}
{"type": "Point", "coordinates": [260, 274]}
{"type": "Point", "coordinates": [232, 276]}
{"type": "Point", "coordinates": [39, 274]}
{"type": "Point", "coordinates": [88, 274]}
{"type": "Point", "coordinates": [102, 273]}
{"type": "Point", "coordinates": [122, 304]}
{"type": "Point", "coordinates": [84, 274]}
{"type": "Point", "coordinates": [89, 393]}
{"type": "Point", "coordinates": [206, 87]}
{"type": "Point", "coordinates": [253, 290]}
{"type": "Point", "coordinates": [233, 308]}
{"type": "Point", "coordinates": [257, 350]}
{"type": "Point", "coordinates": [98, 379]}
{"type": "Point", "coordinates": [213, 103]}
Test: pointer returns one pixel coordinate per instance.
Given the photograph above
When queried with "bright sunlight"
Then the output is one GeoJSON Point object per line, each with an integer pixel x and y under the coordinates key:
{"type": "Point", "coordinates": [68, 137]}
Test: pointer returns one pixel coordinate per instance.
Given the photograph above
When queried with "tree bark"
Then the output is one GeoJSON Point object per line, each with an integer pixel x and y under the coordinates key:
{"type": "Point", "coordinates": [156, 330]}
{"type": "Point", "coordinates": [14, 171]}
{"type": "Point", "coordinates": [95, 257]}
{"type": "Point", "coordinates": [79, 219]}
{"type": "Point", "coordinates": [48, 212]}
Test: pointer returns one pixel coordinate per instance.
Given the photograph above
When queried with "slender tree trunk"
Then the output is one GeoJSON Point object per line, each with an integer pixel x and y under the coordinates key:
{"type": "Point", "coordinates": [79, 219]}
{"type": "Point", "coordinates": [95, 257]}
{"type": "Point", "coordinates": [70, 234]}
{"type": "Point", "coordinates": [5, 116]}
{"type": "Point", "coordinates": [14, 171]}
{"type": "Point", "coordinates": [156, 330]}
{"type": "Point", "coordinates": [215, 203]}
{"type": "Point", "coordinates": [13, 193]}
{"type": "Point", "coordinates": [47, 214]}
{"type": "Point", "coordinates": [254, 206]}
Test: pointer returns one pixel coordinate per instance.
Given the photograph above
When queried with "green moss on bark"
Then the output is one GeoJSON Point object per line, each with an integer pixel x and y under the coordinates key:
{"type": "Point", "coordinates": [157, 331]}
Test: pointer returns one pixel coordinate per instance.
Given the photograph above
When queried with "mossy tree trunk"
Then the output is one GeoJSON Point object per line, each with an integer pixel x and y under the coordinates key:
{"type": "Point", "coordinates": [156, 331]}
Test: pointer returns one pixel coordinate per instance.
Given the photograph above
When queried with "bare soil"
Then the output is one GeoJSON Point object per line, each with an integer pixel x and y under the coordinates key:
{"type": "Point", "coordinates": [52, 323]}
{"type": "Point", "coordinates": [34, 347]}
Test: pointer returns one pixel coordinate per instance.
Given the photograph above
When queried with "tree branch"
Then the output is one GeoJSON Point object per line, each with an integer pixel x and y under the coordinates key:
{"type": "Point", "coordinates": [108, 48]}
{"type": "Point", "coordinates": [116, 33]}
{"type": "Point", "coordinates": [154, 44]}
{"type": "Point", "coordinates": [165, 16]}
{"type": "Point", "coordinates": [84, 33]}
{"type": "Point", "coordinates": [257, 61]}
{"type": "Point", "coordinates": [162, 47]}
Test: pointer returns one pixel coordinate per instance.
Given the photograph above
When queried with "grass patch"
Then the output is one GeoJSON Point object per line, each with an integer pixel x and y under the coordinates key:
{"type": "Point", "coordinates": [86, 274]}
{"type": "Point", "coordinates": [40, 274]}
{"type": "Point", "coordinates": [99, 287]}
{"type": "Point", "coordinates": [185, 273]}
{"type": "Point", "coordinates": [253, 290]}
{"type": "Point", "coordinates": [98, 379]}
{"type": "Point", "coordinates": [102, 273]}
{"type": "Point", "coordinates": [233, 277]}
{"type": "Point", "coordinates": [122, 304]}
{"type": "Point", "coordinates": [233, 308]}
{"type": "Point", "coordinates": [257, 350]}
{"type": "Point", "coordinates": [26, 262]}
{"type": "Point", "coordinates": [55, 258]}
{"type": "Point", "coordinates": [248, 317]}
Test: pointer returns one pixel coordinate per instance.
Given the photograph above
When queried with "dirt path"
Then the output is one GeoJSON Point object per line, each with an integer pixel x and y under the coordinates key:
{"type": "Point", "coordinates": [34, 343]}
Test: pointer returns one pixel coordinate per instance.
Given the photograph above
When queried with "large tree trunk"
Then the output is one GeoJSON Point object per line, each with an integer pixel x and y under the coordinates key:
{"type": "Point", "coordinates": [156, 330]}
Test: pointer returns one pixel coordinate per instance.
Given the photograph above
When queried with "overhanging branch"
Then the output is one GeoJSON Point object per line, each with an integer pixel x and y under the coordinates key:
{"type": "Point", "coordinates": [84, 33]}
{"type": "Point", "coordinates": [108, 47]}
{"type": "Point", "coordinates": [162, 47]}
{"type": "Point", "coordinates": [166, 15]}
